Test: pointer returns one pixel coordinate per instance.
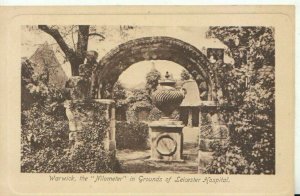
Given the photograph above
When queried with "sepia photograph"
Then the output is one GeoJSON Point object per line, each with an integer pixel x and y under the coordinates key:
{"type": "Point", "coordinates": [148, 99]}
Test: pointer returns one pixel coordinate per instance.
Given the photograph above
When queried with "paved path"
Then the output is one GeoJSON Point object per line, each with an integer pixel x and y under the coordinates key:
{"type": "Point", "coordinates": [133, 161]}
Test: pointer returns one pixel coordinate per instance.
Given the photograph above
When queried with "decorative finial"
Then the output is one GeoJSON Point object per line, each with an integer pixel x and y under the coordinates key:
{"type": "Point", "coordinates": [167, 75]}
{"type": "Point", "coordinates": [153, 65]}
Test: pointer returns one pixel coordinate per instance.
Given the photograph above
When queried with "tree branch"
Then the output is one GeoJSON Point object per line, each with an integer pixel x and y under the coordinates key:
{"type": "Point", "coordinates": [59, 39]}
{"type": "Point", "coordinates": [97, 34]}
{"type": "Point", "coordinates": [74, 45]}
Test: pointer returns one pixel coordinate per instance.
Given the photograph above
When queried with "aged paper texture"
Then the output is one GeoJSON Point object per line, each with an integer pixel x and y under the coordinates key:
{"type": "Point", "coordinates": [147, 100]}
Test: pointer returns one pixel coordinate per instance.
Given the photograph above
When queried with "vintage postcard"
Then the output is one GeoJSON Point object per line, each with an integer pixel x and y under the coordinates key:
{"type": "Point", "coordinates": [147, 100]}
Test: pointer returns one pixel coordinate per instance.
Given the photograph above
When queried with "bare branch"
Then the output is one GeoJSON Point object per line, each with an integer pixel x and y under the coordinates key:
{"type": "Point", "coordinates": [97, 34]}
{"type": "Point", "coordinates": [75, 56]}
{"type": "Point", "coordinates": [59, 39]}
{"type": "Point", "coordinates": [74, 45]}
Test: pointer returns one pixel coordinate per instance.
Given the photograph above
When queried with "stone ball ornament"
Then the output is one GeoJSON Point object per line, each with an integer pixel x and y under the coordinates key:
{"type": "Point", "coordinates": [167, 98]}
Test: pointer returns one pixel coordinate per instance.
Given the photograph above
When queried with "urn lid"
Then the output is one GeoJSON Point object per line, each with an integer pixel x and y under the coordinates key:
{"type": "Point", "coordinates": [167, 81]}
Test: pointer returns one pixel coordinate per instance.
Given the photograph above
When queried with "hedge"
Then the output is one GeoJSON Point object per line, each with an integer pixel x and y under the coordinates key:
{"type": "Point", "coordinates": [132, 135]}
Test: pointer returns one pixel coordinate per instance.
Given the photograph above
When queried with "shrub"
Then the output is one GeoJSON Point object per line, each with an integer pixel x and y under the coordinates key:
{"type": "Point", "coordinates": [252, 129]}
{"type": "Point", "coordinates": [250, 85]}
{"type": "Point", "coordinates": [132, 135]}
{"type": "Point", "coordinates": [45, 146]}
{"type": "Point", "coordinates": [228, 159]}
{"type": "Point", "coordinates": [44, 137]}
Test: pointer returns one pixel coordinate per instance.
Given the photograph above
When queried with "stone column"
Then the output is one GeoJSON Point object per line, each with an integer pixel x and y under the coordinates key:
{"type": "Point", "coordinates": [112, 141]}
{"type": "Point", "coordinates": [190, 117]}
{"type": "Point", "coordinates": [107, 139]}
{"type": "Point", "coordinates": [203, 157]}
{"type": "Point", "coordinates": [82, 114]}
{"type": "Point", "coordinates": [75, 126]}
{"type": "Point", "coordinates": [83, 111]}
{"type": "Point", "coordinates": [214, 130]}
{"type": "Point", "coordinates": [200, 117]}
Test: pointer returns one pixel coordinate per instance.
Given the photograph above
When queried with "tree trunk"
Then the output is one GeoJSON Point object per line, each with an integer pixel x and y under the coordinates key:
{"type": "Point", "coordinates": [74, 57]}
{"type": "Point", "coordinates": [82, 45]}
{"type": "Point", "coordinates": [83, 38]}
{"type": "Point", "coordinates": [75, 62]}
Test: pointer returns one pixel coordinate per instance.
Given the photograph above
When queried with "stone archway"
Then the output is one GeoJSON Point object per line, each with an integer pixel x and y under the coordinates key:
{"type": "Point", "coordinates": [119, 59]}
{"type": "Point", "coordinates": [114, 63]}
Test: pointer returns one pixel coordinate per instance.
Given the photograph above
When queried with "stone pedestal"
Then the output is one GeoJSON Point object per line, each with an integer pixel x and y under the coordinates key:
{"type": "Point", "coordinates": [166, 140]}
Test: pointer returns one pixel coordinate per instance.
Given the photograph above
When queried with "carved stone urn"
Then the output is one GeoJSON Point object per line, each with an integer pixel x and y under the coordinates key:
{"type": "Point", "coordinates": [167, 98]}
{"type": "Point", "coordinates": [166, 133]}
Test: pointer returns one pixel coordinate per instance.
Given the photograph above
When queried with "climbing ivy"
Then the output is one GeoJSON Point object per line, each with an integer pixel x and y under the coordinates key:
{"type": "Point", "coordinates": [45, 146]}
{"type": "Point", "coordinates": [249, 85]}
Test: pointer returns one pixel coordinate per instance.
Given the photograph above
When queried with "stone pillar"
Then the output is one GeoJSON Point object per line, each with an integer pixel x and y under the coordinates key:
{"type": "Point", "coordinates": [212, 130]}
{"type": "Point", "coordinates": [107, 139]}
{"type": "Point", "coordinates": [200, 117]}
{"type": "Point", "coordinates": [82, 114]}
{"type": "Point", "coordinates": [190, 117]}
{"type": "Point", "coordinates": [204, 157]}
{"type": "Point", "coordinates": [75, 125]}
{"type": "Point", "coordinates": [112, 136]}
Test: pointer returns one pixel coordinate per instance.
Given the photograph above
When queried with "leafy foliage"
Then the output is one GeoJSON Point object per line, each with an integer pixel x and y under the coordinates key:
{"type": "Point", "coordinates": [132, 135]}
{"type": "Point", "coordinates": [229, 160]}
{"type": "Point", "coordinates": [91, 156]}
{"type": "Point", "coordinates": [45, 135]}
{"type": "Point", "coordinates": [185, 75]}
{"type": "Point", "coordinates": [36, 89]}
{"type": "Point", "coordinates": [152, 80]}
{"type": "Point", "coordinates": [249, 85]}
{"type": "Point", "coordinates": [254, 46]}
{"type": "Point", "coordinates": [119, 95]}
{"type": "Point", "coordinates": [119, 92]}
{"type": "Point", "coordinates": [138, 100]}
{"type": "Point", "coordinates": [139, 95]}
